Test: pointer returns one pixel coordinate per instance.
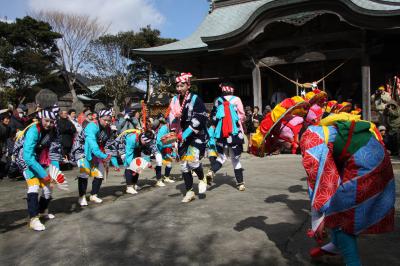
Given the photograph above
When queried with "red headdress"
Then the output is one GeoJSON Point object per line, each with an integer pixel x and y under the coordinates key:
{"type": "Point", "coordinates": [184, 78]}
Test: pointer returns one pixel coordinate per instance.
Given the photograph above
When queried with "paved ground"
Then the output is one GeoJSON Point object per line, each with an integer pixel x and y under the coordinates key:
{"type": "Point", "coordinates": [265, 225]}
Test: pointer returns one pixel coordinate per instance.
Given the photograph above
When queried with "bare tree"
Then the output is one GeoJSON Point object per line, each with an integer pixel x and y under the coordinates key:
{"type": "Point", "coordinates": [109, 65]}
{"type": "Point", "coordinates": [77, 33]}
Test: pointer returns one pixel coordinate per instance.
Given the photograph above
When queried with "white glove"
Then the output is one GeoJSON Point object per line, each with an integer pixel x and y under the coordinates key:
{"type": "Point", "coordinates": [126, 116]}
{"type": "Point", "coordinates": [123, 156]}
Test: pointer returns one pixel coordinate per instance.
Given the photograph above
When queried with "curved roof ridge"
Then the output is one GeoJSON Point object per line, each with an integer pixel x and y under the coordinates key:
{"type": "Point", "coordinates": [377, 5]}
{"type": "Point", "coordinates": [230, 19]}
{"type": "Point", "coordinates": [221, 21]}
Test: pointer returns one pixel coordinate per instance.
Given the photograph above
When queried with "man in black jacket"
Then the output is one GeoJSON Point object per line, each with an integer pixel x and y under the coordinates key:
{"type": "Point", "coordinates": [19, 119]}
{"type": "Point", "coordinates": [67, 131]}
{"type": "Point", "coordinates": [5, 133]}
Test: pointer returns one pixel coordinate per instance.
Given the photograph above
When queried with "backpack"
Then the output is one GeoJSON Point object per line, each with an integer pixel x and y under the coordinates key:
{"type": "Point", "coordinates": [227, 117]}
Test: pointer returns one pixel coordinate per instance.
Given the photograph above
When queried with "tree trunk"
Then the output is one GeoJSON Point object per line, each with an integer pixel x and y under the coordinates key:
{"type": "Point", "coordinates": [115, 105]}
{"type": "Point", "coordinates": [149, 73]}
{"type": "Point", "coordinates": [73, 92]}
{"type": "Point", "coordinates": [71, 87]}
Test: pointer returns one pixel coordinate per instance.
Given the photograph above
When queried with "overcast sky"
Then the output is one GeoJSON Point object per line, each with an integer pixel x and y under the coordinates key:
{"type": "Point", "coordinates": [174, 18]}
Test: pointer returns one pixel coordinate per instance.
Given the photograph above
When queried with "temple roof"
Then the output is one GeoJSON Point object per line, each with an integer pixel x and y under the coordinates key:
{"type": "Point", "coordinates": [221, 21]}
{"type": "Point", "coordinates": [231, 18]}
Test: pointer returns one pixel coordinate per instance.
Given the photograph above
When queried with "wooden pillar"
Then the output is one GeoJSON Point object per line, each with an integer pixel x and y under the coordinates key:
{"type": "Point", "coordinates": [257, 96]}
{"type": "Point", "coordinates": [366, 87]}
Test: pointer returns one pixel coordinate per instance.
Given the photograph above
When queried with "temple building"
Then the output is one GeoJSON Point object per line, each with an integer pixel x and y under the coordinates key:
{"type": "Point", "coordinates": [268, 48]}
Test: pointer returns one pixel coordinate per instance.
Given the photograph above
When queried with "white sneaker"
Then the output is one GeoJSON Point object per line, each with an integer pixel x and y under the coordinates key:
{"type": "Point", "coordinates": [241, 187]}
{"type": "Point", "coordinates": [168, 180]}
{"type": "Point", "coordinates": [131, 190]}
{"type": "Point", "coordinates": [189, 196]}
{"type": "Point", "coordinates": [202, 186]}
{"type": "Point", "coordinates": [95, 199]}
{"type": "Point", "coordinates": [136, 187]}
{"type": "Point", "coordinates": [160, 183]}
{"type": "Point", "coordinates": [210, 177]}
{"type": "Point", "coordinates": [47, 215]}
{"type": "Point", "coordinates": [82, 201]}
{"type": "Point", "coordinates": [36, 225]}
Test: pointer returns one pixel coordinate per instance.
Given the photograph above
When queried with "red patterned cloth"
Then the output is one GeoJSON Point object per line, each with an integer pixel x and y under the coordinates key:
{"type": "Point", "coordinates": [227, 126]}
{"type": "Point", "coordinates": [358, 196]}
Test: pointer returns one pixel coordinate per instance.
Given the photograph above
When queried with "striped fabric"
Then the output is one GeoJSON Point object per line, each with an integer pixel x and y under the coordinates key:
{"type": "Point", "coordinates": [105, 112]}
{"type": "Point", "coordinates": [226, 88]}
{"type": "Point", "coordinates": [55, 109]}
{"type": "Point", "coordinates": [184, 78]}
{"type": "Point", "coordinates": [146, 137]}
{"type": "Point", "coordinates": [47, 113]}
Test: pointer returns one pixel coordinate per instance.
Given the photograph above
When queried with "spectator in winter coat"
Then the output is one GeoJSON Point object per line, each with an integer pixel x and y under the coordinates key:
{"type": "Point", "coordinates": [257, 118]}
{"type": "Point", "coordinates": [248, 124]}
{"type": "Point", "coordinates": [392, 113]}
{"type": "Point", "coordinates": [136, 120]}
{"type": "Point", "coordinates": [4, 135]}
{"type": "Point", "coordinates": [126, 122]}
{"type": "Point", "coordinates": [74, 120]}
{"type": "Point", "coordinates": [379, 100]}
{"type": "Point", "coordinates": [18, 120]}
{"type": "Point", "coordinates": [67, 131]}
{"type": "Point", "coordinates": [382, 130]}
{"type": "Point", "coordinates": [267, 110]}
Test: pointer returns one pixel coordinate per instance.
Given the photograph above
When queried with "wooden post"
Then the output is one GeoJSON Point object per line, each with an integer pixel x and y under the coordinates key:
{"type": "Point", "coordinates": [366, 87]}
{"type": "Point", "coordinates": [257, 96]}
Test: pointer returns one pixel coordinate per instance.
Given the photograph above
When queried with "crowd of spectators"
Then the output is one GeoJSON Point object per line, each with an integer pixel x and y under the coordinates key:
{"type": "Point", "coordinates": [388, 119]}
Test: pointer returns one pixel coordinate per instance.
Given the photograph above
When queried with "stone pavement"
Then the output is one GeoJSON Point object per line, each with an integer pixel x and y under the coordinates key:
{"type": "Point", "coordinates": [265, 225]}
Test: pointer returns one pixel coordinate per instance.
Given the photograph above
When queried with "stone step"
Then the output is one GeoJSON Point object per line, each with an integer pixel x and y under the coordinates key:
{"type": "Point", "coordinates": [395, 163]}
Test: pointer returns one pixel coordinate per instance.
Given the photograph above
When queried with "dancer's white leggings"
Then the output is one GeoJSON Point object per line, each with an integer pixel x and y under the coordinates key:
{"type": "Point", "coordinates": [228, 152]}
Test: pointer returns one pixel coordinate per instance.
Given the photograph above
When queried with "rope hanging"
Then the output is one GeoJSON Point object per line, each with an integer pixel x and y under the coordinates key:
{"type": "Point", "coordinates": [304, 85]}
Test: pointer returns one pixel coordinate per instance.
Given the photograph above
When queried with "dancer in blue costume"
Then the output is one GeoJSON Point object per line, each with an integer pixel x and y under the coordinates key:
{"type": "Point", "coordinates": [190, 111]}
{"type": "Point", "coordinates": [37, 147]}
{"type": "Point", "coordinates": [94, 160]}
{"type": "Point", "coordinates": [227, 117]}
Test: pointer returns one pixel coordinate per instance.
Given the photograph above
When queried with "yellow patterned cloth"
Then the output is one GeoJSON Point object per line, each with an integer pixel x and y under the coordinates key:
{"type": "Point", "coordinates": [191, 155]}
{"type": "Point", "coordinates": [256, 138]}
{"type": "Point", "coordinates": [34, 181]}
{"type": "Point", "coordinates": [90, 169]}
{"type": "Point", "coordinates": [330, 106]}
{"type": "Point", "coordinates": [283, 106]}
{"type": "Point", "coordinates": [333, 118]}
{"type": "Point", "coordinates": [212, 153]}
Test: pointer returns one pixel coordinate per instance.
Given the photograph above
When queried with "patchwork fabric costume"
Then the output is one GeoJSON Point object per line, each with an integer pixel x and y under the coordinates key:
{"type": "Point", "coordinates": [350, 182]}
{"type": "Point", "coordinates": [350, 176]}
